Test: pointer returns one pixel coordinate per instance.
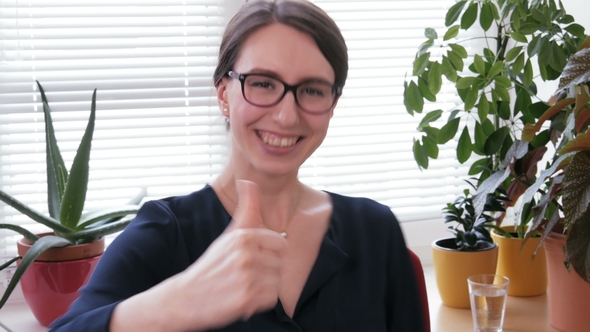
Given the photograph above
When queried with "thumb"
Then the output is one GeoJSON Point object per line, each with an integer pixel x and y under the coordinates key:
{"type": "Point", "coordinates": [248, 212]}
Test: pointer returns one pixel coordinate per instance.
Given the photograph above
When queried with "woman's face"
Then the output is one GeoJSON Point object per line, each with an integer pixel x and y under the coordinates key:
{"type": "Point", "coordinates": [275, 140]}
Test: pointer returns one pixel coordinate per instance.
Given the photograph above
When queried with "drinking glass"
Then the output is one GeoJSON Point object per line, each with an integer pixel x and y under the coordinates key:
{"type": "Point", "coordinates": [487, 293]}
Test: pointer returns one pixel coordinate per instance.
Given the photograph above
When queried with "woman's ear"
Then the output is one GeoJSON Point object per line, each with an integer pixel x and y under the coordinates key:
{"type": "Point", "coordinates": [222, 97]}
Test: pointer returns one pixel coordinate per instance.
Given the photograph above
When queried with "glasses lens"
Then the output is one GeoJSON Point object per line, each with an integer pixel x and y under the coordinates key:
{"type": "Point", "coordinates": [262, 90]}
{"type": "Point", "coordinates": [315, 97]}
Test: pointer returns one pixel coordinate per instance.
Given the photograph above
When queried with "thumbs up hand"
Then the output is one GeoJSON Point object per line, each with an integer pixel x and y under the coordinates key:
{"type": "Point", "coordinates": [248, 213]}
{"type": "Point", "coordinates": [239, 274]}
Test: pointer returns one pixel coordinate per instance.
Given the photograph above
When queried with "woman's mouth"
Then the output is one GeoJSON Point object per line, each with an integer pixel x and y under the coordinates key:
{"type": "Point", "coordinates": [277, 141]}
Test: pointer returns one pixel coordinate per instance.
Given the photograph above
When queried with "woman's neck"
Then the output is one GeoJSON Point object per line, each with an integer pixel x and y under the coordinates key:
{"type": "Point", "coordinates": [281, 201]}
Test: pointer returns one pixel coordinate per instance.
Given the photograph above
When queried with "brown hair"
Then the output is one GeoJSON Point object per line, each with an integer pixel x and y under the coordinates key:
{"type": "Point", "coordinates": [299, 14]}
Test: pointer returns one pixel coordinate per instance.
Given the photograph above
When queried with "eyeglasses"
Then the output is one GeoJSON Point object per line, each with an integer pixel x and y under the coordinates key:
{"type": "Point", "coordinates": [315, 97]}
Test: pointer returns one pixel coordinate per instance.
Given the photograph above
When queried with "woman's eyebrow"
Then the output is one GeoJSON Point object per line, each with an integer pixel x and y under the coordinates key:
{"type": "Point", "coordinates": [272, 73]}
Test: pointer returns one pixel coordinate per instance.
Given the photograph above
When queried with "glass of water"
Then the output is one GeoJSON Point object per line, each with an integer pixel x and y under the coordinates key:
{"type": "Point", "coordinates": [488, 293]}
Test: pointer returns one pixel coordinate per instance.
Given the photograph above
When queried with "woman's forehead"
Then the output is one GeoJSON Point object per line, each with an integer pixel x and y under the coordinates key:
{"type": "Point", "coordinates": [283, 50]}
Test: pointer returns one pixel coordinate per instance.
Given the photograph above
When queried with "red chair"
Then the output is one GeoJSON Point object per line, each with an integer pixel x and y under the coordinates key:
{"type": "Point", "coordinates": [421, 288]}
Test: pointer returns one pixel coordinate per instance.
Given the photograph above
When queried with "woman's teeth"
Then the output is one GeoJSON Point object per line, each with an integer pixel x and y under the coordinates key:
{"type": "Point", "coordinates": [279, 142]}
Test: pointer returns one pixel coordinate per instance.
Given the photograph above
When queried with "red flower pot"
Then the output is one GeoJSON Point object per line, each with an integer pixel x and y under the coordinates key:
{"type": "Point", "coordinates": [51, 282]}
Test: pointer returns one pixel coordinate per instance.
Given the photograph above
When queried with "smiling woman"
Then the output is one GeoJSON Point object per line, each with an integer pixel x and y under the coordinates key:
{"type": "Point", "coordinates": [257, 249]}
{"type": "Point", "coordinates": [158, 124]}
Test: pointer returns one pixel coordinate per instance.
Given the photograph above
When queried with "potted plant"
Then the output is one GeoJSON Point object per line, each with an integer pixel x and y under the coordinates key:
{"type": "Point", "coordinates": [563, 204]}
{"type": "Point", "coordinates": [498, 97]}
{"type": "Point", "coordinates": [560, 196]}
{"type": "Point", "coordinates": [49, 280]}
{"type": "Point", "coordinates": [497, 89]}
{"type": "Point", "coordinates": [471, 251]}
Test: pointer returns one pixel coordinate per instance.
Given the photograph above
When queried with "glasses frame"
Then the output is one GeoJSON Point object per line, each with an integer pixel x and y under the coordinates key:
{"type": "Point", "coordinates": [336, 90]}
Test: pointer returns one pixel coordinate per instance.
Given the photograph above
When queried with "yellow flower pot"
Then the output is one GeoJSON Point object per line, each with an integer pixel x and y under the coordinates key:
{"type": "Point", "coordinates": [452, 268]}
{"type": "Point", "coordinates": [528, 276]}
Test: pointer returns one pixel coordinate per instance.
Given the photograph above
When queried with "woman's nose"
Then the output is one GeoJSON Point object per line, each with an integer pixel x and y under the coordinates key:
{"type": "Point", "coordinates": [287, 111]}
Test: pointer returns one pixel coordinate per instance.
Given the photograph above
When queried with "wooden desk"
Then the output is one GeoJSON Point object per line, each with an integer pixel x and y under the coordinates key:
{"type": "Point", "coordinates": [523, 314]}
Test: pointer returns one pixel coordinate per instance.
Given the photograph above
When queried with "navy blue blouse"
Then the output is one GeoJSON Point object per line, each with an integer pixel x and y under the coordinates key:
{"type": "Point", "coordinates": [362, 280]}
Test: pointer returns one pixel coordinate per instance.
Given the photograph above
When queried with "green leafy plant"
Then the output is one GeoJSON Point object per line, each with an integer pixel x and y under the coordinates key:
{"type": "Point", "coordinates": [496, 89]}
{"type": "Point", "coordinates": [471, 229]}
{"type": "Point", "coordinates": [525, 41]}
{"type": "Point", "coordinates": [66, 194]}
{"type": "Point", "coordinates": [560, 196]}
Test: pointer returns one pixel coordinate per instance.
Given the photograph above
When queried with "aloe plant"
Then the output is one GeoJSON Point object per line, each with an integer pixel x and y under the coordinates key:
{"type": "Point", "coordinates": [66, 194]}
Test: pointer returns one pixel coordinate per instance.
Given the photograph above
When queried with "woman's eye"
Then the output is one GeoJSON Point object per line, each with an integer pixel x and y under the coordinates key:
{"type": "Point", "coordinates": [260, 84]}
{"type": "Point", "coordinates": [313, 92]}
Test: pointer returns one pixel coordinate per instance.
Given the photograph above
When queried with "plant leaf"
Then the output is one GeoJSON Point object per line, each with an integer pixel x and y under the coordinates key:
{"type": "Point", "coordinates": [57, 174]}
{"type": "Point", "coordinates": [100, 231]}
{"type": "Point", "coordinates": [519, 37]}
{"type": "Point", "coordinates": [448, 70]}
{"type": "Point", "coordinates": [528, 73]}
{"type": "Point", "coordinates": [486, 16]}
{"type": "Point", "coordinates": [464, 146]}
{"type": "Point", "coordinates": [429, 117]}
{"type": "Point", "coordinates": [451, 33]}
{"type": "Point", "coordinates": [469, 16]}
{"type": "Point", "coordinates": [425, 90]}
{"type": "Point", "coordinates": [424, 47]}
{"type": "Point", "coordinates": [413, 97]}
{"type": "Point", "coordinates": [33, 214]}
{"type": "Point", "coordinates": [518, 64]}
{"type": "Point", "coordinates": [495, 140]}
{"type": "Point", "coordinates": [36, 249]}
{"type": "Point", "coordinates": [420, 154]}
{"type": "Point", "coordinates": [576, 71]}
{"type": "Point", "coordinates": [75, 194]}
{"type": "Point", "coordinates": [496, 69]}
{"type": "Point", "coordinates": [455, 60]}
{"type": "Point", "coordinates": [534, 45]}
{"type": "Point", "coordinates": [483, 107]}
{"type": "Point", "coordinates": [435, 78]}
{"type": "Point", "coordinates": [430, 147]}
{"type": "Point", "coordinates": [576, 187]}
{"type": "Point", "coordinates": [89, 218]}
{"type": "Point", "coordinates": [420, 64]}
{"type": "Point", "coordinates": [576, 199]}
{"type": "Point", "coordinates": [23, 231]}
{"type": "Point", "coordinates": [479, 64]}
{"type": "Point", "coordinates": [454, 12]}
{"type": "Point", "coordinates": [448, 131]}
{"type": "Point", "coordinates": [459, 50]}
{"type": "Point", "coordinates": [529, 131]}
{"type": "Point", "coordinates": [513, 53]}
{"type": "Point", "coordinates": [430, 33]}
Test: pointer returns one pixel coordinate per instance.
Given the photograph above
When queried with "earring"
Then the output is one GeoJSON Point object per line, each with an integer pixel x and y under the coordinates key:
{"type": "Point", "coordinates": [226, 118]}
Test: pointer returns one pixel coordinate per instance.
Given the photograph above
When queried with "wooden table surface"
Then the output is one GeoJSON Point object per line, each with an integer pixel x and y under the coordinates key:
{"type": "Point", "coordinates": [523, 314]}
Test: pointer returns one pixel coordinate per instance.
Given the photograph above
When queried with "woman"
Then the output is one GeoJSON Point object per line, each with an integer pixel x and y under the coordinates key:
{"type": "Point", "coordinates": [257, 250]}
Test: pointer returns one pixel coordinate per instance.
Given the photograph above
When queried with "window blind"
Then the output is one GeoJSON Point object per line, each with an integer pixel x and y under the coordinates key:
{"type": "Point", "coordinates": [158, 124]}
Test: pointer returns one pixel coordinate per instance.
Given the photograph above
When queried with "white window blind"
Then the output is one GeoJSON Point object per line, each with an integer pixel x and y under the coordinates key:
{"type": "Point", "coordinates": [158, 124]}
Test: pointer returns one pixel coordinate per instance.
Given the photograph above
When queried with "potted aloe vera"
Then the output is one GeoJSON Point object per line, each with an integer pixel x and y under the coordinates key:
{"type": "Point", "coordinates": [52, 266]}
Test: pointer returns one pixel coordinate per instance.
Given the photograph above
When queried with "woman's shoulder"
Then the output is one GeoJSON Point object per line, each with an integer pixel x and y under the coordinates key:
{"type": "Point", "coordinates": [355, 206]}
{"type": "Point", "coordinates": [204, 197]}
{"type": "Point", "coordinates": [184, 210]}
